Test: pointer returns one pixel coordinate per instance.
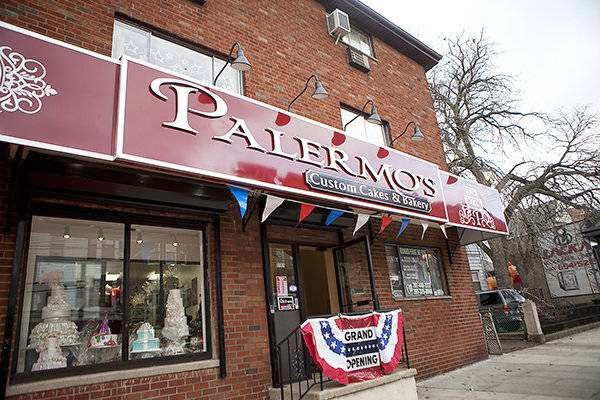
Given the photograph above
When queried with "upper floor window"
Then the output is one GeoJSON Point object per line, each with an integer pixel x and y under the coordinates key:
{"type": "Point", "coordinates": [359, 40]}
{"type": "Point", "coordinates": [144, 45]}
{"type": "Point", "coordinates": [360, 128]}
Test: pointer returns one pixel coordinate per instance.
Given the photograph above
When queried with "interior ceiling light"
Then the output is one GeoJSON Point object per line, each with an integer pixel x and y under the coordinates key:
{"type": "Point", "coordinates": [139, 239]}
{"type": "Point", "coordinates": [100, 234]}
{"type": "Point", "coordinates": [67, 232]}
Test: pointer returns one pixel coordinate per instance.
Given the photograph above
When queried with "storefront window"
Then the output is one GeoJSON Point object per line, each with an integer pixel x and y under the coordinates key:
{"type": "Point", "coordinates": [415, 271]}
{"type": "Point", "coordinates": [142, 44]}
{"type": "Point", "coordinates": [74, 311]}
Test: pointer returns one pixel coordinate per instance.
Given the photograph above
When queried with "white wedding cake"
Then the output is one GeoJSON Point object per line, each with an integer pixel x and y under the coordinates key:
{"type": "Point", "coordinates": [56, 322]}
{"type": "Point", "coordinates": [175, 328]}
{"type": "Point", "coordinates": [50, 357]}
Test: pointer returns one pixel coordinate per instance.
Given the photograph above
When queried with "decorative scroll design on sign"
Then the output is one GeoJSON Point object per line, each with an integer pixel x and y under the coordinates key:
{"type": "Point", "coordinates": [472, 212]}
{"type": "Point", "coordinates": [22, 84]}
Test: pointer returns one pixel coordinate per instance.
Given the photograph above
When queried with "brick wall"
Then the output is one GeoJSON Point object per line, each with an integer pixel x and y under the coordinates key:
{"type": "Point", "coordinates": [7, 239]}
{"type": "Point", "coordinates": [286, 42]}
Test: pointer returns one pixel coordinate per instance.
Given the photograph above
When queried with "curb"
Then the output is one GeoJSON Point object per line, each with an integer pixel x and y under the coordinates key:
{"type": "Point", "coordinates": [571, 331]}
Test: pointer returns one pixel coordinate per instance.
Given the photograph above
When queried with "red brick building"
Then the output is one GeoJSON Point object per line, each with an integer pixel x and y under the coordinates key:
{"type": "Point", "coordinates": [123, 236]}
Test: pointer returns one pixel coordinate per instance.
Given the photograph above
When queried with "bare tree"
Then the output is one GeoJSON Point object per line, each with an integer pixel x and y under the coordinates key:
{"type": "Point", "coordinates": [478, 112]}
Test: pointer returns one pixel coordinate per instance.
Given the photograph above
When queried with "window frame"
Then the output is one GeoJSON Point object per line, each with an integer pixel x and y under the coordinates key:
{"type": "Point", "coordinates": [369, 40]}
{"type": "Point", "coordinates": [126, 219]}
{"type": "Point", "coordinates": [167, 36]}
{"type": "Point", "coordinates": [385, 126]}
{"type": "Point", "coordinates": [441, 266]}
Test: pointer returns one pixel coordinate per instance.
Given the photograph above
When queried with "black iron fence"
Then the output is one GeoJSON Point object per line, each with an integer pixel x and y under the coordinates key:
{"type": "Point", "coordinates": [296, 372]}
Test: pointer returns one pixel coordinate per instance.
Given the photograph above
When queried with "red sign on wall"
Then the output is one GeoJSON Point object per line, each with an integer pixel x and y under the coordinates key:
{"type": "Point", "coordinates": [55, 96]}
{"type": "Point", "coordinates": [472, 205]}
{"type": "Point", "coordinates": [63, 98]}
{"type": "Point", "coordinates": [171, 122]}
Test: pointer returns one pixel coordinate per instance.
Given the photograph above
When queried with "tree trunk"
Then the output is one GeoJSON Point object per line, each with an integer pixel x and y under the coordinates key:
{"type": "Point", "coordinates": [500, 261]}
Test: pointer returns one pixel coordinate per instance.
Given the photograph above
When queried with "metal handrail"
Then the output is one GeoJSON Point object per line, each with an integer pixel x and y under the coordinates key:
{"type": "Point", "coordinates": [306, 370]}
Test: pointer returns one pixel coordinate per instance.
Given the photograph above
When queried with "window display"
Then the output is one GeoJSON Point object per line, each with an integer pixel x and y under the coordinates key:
{"type": "Point", "coordinates": [73, 310]}
{"type": "Point", "coordinates": [415, 271]}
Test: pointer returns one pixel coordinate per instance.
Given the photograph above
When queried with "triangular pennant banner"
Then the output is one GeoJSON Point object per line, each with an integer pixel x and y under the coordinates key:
{"type": "Point", "coordinates": [403, 226]}
{"type": "Point", "coordinates": [271, 205]}
{"type": "Point", "coordinates": [241, 196]}
{"type": "Point", "coordinates": [425, 225]}
{"type": "Point", "coordinates": [443, 228]}
{"type": "Point", "coordinates": [385, 221]}
{"type": "Point", "coordinates": [360, 221]}
{"type": "Point", "coordinates": [305, 210]}
{"type": "Point", "coordinates": [333, 215]}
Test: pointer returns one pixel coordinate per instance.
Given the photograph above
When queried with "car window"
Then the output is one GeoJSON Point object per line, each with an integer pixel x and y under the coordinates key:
{"type": "Point", "coordinates": [490, 299]}
{"type": "Point", "coordinates": [512, 297]}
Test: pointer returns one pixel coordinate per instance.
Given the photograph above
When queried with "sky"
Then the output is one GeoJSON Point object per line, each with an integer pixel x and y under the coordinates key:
{"type": "Point", "coordinates": [551, 47]}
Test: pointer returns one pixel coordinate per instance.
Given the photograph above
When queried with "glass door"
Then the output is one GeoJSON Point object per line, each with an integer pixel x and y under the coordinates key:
{"type": "Point", "coordinates": [355, 276]}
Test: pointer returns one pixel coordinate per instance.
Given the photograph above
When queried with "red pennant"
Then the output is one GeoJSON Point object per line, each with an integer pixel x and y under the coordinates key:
{"type": "Point", "coordinates": [385, 221]}
{"type": "Point", "coordinates": [305, 210]}
{"type": "Point", "coordinates": [338, 138]}
{"type": "Point", "coordinates": [382, 153]}
{"type": "Point", "coordinates": [451, 180]}
{"type": "Point", "coordinates": [282, 119]}
{"type": "Point", "coordinates": [204, 98]}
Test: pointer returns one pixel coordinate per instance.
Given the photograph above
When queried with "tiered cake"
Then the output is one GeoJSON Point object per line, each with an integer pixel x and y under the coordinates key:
{"type": "Point", "coordinates": [103, 338]}
{"type": "Point", "coordinates": [175, 328]}
{"type": "Point", "coordinates": [145, 340]}
{"type": "Point", "coordinates": [56, 321]}
{"type": "Point", "coordinates": [50, 357]}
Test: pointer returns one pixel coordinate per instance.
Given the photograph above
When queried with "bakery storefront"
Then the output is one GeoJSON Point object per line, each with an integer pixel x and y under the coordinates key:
{"type": "Point", "coordinates": [144, 203]}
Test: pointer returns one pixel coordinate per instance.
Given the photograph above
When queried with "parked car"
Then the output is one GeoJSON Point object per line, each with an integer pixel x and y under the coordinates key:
{"type": "Point", "coordinates": [504, 305]}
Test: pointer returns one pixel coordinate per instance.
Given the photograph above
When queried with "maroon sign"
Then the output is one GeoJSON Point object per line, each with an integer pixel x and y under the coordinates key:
{"type": "Point", "coordinates": [62, 98]}
{"type": "Point", "coordinates": [171, 122]}
{"type": "Point", "coordinates": [471, 205]}
{"type": "Point", "coordinates": [55, 96]}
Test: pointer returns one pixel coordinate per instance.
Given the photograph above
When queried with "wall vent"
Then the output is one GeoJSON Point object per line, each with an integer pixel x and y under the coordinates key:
{"type": "Point", "coordinates": [358, 59]}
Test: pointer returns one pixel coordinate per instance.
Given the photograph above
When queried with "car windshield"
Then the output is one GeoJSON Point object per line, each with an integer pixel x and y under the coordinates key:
{"type": "Point", "coordinates": [489, 298]}
{"type": "Point", "coordinates": [512, 297]}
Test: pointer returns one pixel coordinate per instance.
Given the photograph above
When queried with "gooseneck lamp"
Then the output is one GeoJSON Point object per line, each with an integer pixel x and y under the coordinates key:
{"type": "Point", "coordinates": [417, 135]}
{"type": "Point", "coordinates": [319, 92]}
{"type": "Point", "coordinates": [240, 63]}
{"type": "Point", "coordinates": [373, 117]}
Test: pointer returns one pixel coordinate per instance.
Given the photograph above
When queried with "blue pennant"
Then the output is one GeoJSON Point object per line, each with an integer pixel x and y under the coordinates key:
{"type": "Point", "coordinates": [241, 196]}
{"type": "Point", "coordinates": [403, 226]}
{"type": "Point", "coordinates": [333, 215]}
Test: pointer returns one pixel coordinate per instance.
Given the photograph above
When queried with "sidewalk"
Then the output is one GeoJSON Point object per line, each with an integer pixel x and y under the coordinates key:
{"type": "Point", "coordinates": [567, 368]}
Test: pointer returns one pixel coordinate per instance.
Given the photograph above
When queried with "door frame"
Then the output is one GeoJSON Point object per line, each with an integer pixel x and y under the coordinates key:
{"type": "Point", "coordinates": [270, 303]}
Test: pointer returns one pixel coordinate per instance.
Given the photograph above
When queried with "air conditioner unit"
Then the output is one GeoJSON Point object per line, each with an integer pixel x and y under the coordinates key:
{"type": "Point", "coordinates": [358, 59]}
{"type": "Point", "coordinates": [338, 23]}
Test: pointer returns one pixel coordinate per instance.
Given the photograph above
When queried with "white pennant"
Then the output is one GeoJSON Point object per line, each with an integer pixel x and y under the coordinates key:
{"type": "Point", "coordinates": [425, 225]}
{"type": "Point", "coordinates": [271, 205]}
{"type": "Point", "coordinates": [360, 221]}
{"type": "Point", "coordinates": [443, 228]}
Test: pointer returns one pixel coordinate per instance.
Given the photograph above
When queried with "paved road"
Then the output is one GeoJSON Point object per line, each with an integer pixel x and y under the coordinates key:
{"type": "Point", "coordinates": [567, 368]}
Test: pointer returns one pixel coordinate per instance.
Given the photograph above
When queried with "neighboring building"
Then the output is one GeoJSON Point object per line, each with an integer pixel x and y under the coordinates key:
{"type": "Point", "coordinates": [479, 264]}
{"type": "Point", "coordinates": [117, 211]}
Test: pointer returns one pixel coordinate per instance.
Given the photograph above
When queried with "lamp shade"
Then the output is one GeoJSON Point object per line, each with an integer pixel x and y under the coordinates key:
{"type": "Point", "coordinates": [320, 93]}
{"type": "Point", "coordinates": [417, 135]}
{"type": "Point", "coordinates": [374, 117]}
{"type": "Point", "coordinates": [241, 63]}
